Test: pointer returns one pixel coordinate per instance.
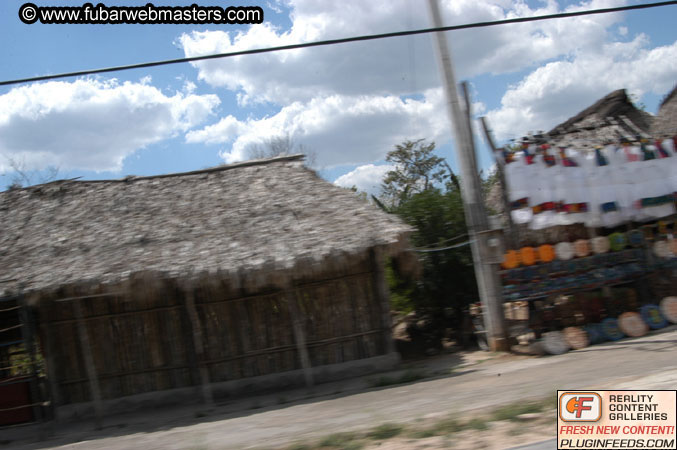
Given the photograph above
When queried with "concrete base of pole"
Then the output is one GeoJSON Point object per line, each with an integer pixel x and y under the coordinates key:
{"type": "Point", "coordinates": [499, 344]}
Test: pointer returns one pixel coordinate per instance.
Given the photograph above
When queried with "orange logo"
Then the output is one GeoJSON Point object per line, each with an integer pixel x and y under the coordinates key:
{"type": "Point", "coordinates": [577, 404]}
{"type": "Point", "coordinates": [580, 407]}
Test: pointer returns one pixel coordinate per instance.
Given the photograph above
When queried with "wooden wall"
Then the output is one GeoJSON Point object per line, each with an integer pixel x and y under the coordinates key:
{"type": "Point", "coordinates": [142, 336]}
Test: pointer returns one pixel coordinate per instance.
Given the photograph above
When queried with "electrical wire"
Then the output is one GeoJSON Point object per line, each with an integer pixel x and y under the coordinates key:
{"type": "Point", "coordinates": [431, 250]}
{"type": "Point", "coordinates": [444, 241]}
{"type": "Point", "coordinates": [339, 41]}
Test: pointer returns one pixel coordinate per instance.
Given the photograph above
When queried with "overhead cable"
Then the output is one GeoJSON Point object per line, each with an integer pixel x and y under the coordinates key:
{"type": "Point", "coordinates": [338, 41]}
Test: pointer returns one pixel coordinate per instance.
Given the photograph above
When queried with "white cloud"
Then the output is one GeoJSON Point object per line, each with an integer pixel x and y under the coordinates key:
{"type": "Point", "coordinates": [558, 90]}
{"type": "Point", "coordinates": [224, 130]}
{"type": "Point", "coordinates": [344, 102]}
{"type": "Point", "coordinates": [396, 66]}
{"type": "Point", "coordinates": [338, 129]}
{"type": "Point", "coordinates": [275, 6]}
{"type": "Point", "coordinates": [93, 124]}
{"type": "Point", "coordinates": [366, 178]}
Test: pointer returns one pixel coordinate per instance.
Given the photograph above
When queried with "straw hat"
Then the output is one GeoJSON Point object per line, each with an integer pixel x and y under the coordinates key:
{"type": "Point", "coordinates": [546, 253]}
{"type": "Point", "coordinates": [631, 323]}
{"type": "Point", "coordinates": [582, 248]}
{"type": "Point", "coordinates": [576, 337]}
{"type": "Point", "coordinates": [669, 308]}
{"type": "Point", "coordinates": [564, 251]}
{"type": "Point", "coordinates": [600, 244]}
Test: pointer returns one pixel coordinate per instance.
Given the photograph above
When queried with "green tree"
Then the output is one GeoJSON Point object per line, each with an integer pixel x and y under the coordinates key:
{"type": "Point", "coordinates": [416, 169]}
{"type": "Point", "coordinates": [427, 196]}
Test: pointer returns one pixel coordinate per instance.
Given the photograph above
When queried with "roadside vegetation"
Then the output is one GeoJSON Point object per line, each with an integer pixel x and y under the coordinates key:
{"type": "Point", "coordinates": [447, 427]}
{"type": "Point", "coordinates": [423, 190]}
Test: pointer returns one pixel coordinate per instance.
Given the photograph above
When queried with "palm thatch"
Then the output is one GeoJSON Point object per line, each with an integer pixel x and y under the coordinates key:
{"type": "Point", "coordinates": [266, 216]}
{"type": "Point", "coordinates": [611, 118]}
{"type": "Point", "coordinates": [665, 123]}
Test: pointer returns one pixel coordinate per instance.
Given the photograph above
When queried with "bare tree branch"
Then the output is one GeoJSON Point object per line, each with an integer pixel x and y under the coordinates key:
{"type": "Point", "coordinates": [23, 177]}
{"type": "Point", "coordinates": [281, 145]}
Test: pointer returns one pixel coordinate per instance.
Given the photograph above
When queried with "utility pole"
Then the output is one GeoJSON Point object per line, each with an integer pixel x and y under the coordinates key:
{"type": "Point", "coordinates": [488, 282]}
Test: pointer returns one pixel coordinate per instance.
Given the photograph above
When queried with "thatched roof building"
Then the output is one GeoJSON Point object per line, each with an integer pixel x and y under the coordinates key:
{"type": "Point", "coordinates": [262, 216]}
{"type": "Point", "coordinates": [611, 118]}
{"type": "Point", "coordinates": [665, 123]}
{"type": "Point", "coordinates": [240, 277]}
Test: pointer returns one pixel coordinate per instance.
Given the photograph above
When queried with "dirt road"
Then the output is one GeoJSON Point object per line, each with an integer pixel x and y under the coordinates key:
{"type": "Point", "coordinates": [457, 384]}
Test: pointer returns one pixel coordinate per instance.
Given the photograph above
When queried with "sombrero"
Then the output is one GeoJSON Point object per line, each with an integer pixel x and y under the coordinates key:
{"type": "Point", "coordinates": [662, 249]}
{"type": "Point", "coordinates": [595, 334]}
{"type": "Point", "coordinates": [554, 343]}
{"type": "Point", "coordinates": [546, 253]}
{"type": "Point", "coordinates": [528, 256]}
{"type": "Point", "coordinates": [631, 323]}
{"type": "Point", "coordinates": [582, 248]}
{"type": "Point", "coordinates": [653, 317]}
{"type": "Point", "coordinates": [564, 251]}
{"type": "Point", "coordinates": [617, 241]}
{"type": "Point", "coordinates": [600, 244]}
{"type": "Point", "coordinates": [669, 308]}
{"type": "Point", "coordinates": [576, 337]}
{"type": "Point", "coordinates": [611, 330]}
{"type": "Point", "coordinates": [511, 259]}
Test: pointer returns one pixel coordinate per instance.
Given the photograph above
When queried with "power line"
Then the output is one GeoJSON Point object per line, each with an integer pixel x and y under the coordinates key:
{"type": "Point", "coordinates": [431, 250]}
{"type": "Point", "coordinates": [369, 37]}
{"type": "Point", "coordinates": [444, 241]}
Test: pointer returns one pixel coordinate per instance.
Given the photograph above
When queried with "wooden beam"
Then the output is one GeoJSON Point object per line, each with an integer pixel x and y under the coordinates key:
{"type": "Point", "coordinates": [291, 295]}
{"type": "Point", "coordinates": [94, 388]}
{"type": "Point", "coordinates": [382, 296]}
{"type": "Point", "coordinates": [82, 297]}
{"type": "Point", "coordinates": [198, 345]}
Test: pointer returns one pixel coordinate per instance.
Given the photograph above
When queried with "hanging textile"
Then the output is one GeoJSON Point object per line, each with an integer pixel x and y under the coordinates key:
{"type": "Point", "coordinates": [601, 186]}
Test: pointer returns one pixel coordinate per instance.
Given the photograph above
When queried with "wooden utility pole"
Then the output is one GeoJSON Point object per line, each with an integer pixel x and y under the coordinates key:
{"type": "Point", "coordinates": [486, 274]}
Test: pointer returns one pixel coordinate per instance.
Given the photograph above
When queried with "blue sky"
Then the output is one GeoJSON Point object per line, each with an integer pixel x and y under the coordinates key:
{"type": "Point", "coordinates": [349, 104]}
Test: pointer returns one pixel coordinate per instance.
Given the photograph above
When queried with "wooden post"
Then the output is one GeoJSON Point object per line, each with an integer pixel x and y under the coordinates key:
{"type": "Point", "coordinates": [299, 334]}
{"type": "Point", "coordinates": [94, 388]}
{"type": "Point", "coordinates": [50, 352]}
{"type": "Point", "coordinates": [488, 282]}
{"type": "Point", "coordinates": [29, 343]}
{"type": "Point", "coordinates": [383, 298]}
{"type": "Point", "coordinates": [197, 344]}
{"type": "Point", "coordinates": [511, 238]}
{"type": "Point", "coordinates": [191, 357]}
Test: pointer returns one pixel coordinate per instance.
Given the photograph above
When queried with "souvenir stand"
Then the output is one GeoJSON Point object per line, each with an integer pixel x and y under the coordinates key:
{"type": "Point", "coordinates": [596, 256]}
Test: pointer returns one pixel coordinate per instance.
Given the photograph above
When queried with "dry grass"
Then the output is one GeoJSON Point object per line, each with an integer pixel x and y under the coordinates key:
{"type": "Point", "coordinates": [445, 428]}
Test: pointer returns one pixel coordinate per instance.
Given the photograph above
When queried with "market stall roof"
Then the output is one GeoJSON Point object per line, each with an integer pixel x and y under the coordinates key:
{"type": "Point", "coordinates": [665, 123]}
{"type": "Point", "coordinates": [610, 118]}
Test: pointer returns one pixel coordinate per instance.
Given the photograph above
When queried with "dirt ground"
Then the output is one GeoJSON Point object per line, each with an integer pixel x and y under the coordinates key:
{"type": "Point", "coordinates": [499, 436]}
{"type": "Point", "coordinates": [462, 385]}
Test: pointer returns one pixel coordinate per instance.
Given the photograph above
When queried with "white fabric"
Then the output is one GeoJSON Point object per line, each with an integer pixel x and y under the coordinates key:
{"type": "Point", "coordinates": [574, 188]}
{"type": "Point", "coordinates": [625, 181]}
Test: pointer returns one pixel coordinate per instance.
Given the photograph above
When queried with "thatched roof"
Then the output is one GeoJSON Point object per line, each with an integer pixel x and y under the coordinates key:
{"type": "Point", "coordinates": [665, 123]}
{"type": "Point", "coordinates": [265, 216]}
{"type": "Point", "coordinates": [610, 118]}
